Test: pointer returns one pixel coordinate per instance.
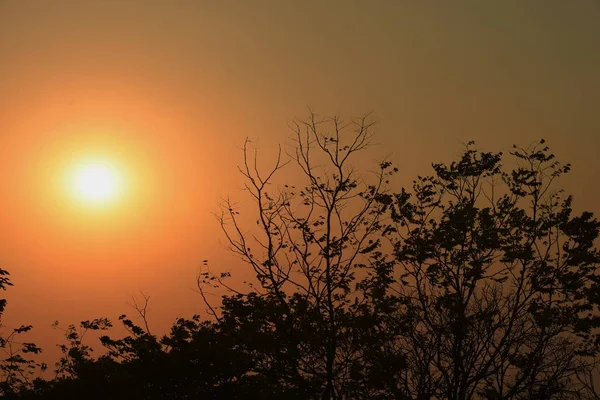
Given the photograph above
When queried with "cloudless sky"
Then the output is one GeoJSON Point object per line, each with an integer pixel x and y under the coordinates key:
{"type": "Point", "coordinates": [170, 89]}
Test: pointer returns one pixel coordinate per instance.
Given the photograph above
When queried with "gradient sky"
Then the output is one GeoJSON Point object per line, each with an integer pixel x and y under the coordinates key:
{"type": "Point", "coordinates": [170, 89]}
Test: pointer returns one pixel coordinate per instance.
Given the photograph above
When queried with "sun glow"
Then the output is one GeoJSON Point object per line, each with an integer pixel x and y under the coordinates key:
{"type": "Point", "coordinates": [96, 182]}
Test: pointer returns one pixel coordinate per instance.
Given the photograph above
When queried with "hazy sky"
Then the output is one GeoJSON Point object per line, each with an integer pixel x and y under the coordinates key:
{"type": "Point", "coordinates": [170, 89]}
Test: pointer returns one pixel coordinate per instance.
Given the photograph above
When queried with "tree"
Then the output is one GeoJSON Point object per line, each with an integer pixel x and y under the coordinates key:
{"type": "Point", "coordinates": [498, 287]}
{"type": "Point", "coordinates": [195, 360]}
{"type": "Point", "coordinates": [303, 320]}
{"type": "Point", "coordinates": [16, 368]}
{"type": "Point", "coordinates": [477, 283]}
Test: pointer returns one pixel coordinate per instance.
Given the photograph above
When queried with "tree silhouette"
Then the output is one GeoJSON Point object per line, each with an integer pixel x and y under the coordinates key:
{"type": "Point", "coordinates": [479, 282]}
{"type": "Point", "coordinates": [16, 368]}
{"type": "Point", "coordinates": [498, 290]}
{"type": "Point", "coordinates": [311, 238]}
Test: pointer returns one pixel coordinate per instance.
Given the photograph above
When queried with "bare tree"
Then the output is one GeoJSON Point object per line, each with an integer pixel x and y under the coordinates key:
{"type": "Point", "coordinates": [310, 241]}
{"type": "Point", "coordinates": [141, 308]}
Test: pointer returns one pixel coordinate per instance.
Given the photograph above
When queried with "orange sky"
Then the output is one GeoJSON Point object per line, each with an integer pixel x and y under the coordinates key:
{"type": "Point", "coordinates": [171, 88]}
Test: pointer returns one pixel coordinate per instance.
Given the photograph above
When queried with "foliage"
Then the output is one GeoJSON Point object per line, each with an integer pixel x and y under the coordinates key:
{"type": "Point", "coordinates": [16, 366]}
{"type": "Point", "coordinates": [479, 282]}
{"type": "Point", "coordinates": [498, 292]}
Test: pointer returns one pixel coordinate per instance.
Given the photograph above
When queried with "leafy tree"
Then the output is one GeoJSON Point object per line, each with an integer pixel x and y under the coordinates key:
{"type": "Point", "coordinates": [76, 354]}
{"type": "Point", "coordinates": [498, 287]}
{"type": "Point", "coordinates": [16, 367]}
{"type": "Point", "coordinates": [195, 360]}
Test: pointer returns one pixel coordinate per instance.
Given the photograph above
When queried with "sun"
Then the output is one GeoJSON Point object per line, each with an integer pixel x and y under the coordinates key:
{"type": "Point", "coordinates": [96, 182]}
